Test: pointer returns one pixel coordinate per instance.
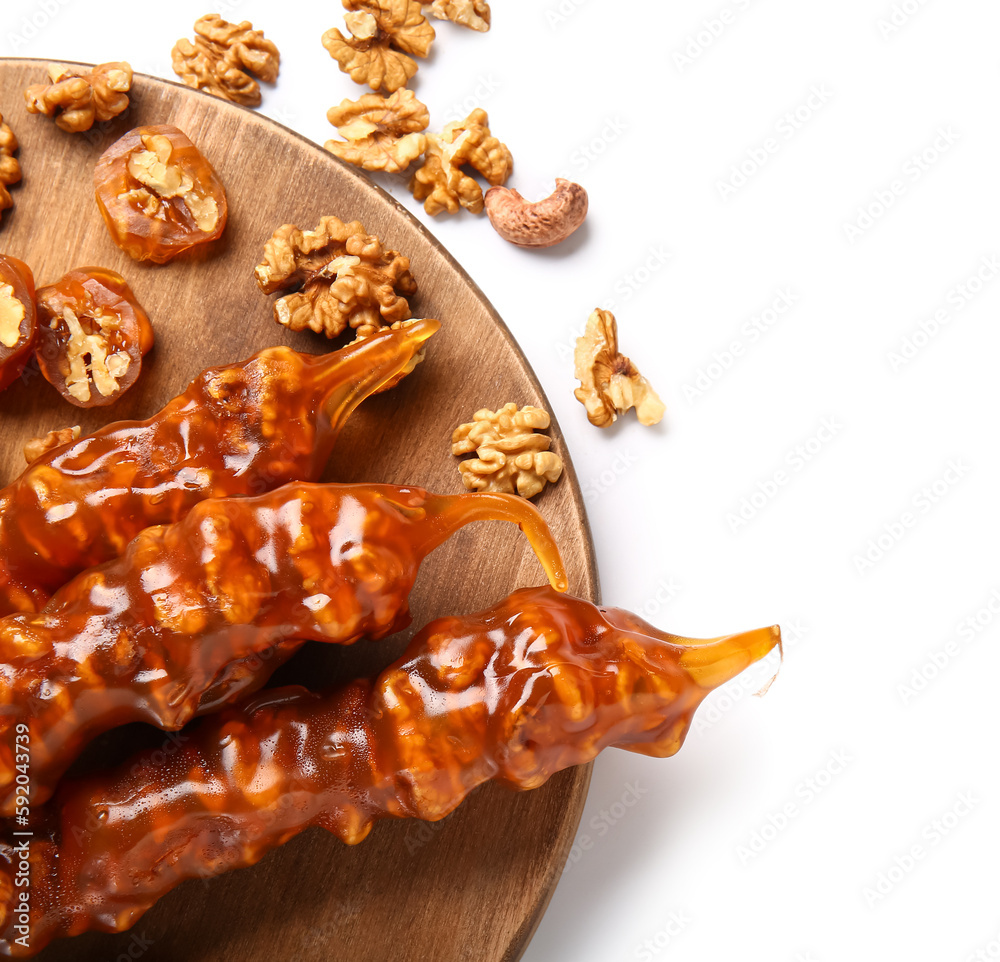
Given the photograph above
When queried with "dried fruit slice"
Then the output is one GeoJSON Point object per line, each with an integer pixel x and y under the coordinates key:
{"type": "Point", "coordinates": [92, 336]}
{"type": "Point", "coordinates": [158, 194]}
{"type": "Point", "coordinates": [18, 322]}
{"type": "Point", "coordinates": [18, 319]}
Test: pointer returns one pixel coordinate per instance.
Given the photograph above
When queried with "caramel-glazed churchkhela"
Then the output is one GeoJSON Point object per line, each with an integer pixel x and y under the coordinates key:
{"type": "Point", "coordinates": [167, 630]}
{"type": "Point", "coordinates": [242, 429]}
{"type": "Point", "coordinates": [516, 693]}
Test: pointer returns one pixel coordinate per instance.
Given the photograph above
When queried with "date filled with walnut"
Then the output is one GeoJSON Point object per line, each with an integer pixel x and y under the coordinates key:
{"type": "Point", "coordinates": [18, 319]}
{"type": "Point", "coordinates": [92, 336]}
{"type": "Point", "coordinates": [158, 194]}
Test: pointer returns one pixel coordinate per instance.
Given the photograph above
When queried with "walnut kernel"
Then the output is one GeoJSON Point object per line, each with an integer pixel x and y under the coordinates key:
{"type": "Point", "coordinates": [380, 133]}
{"type": "Point", "coordinates": [10, 169]}
{"type": "Point", "coordinates": [76, 99]}
{"type": "Point", "coordinates": [89, 357]}
{"type": "Point", "coordinates": [162, 180]}
{"type": "Point", "coordinates": [223, 56]}
{"type": "Point", "coordinates": [38, 447]}
{"type": "Point", "coordinates": [510, 455]}
{"type": "Point", "coordinates": [382, 33]}
{"type": "Point", "coordinates": [441, 183]}
{"type": "Point", "coordinates": [610, 383]}
{"type": "Point", "coordinates": [474, 14]}
{"type": "Point", "coordinates": [11, 315]}
{"type": "Point", "coordinates": [337, 276]}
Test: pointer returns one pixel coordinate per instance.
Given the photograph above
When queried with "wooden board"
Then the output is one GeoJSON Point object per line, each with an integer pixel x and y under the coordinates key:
{"type": "Point", "coordinates": [475, 885]}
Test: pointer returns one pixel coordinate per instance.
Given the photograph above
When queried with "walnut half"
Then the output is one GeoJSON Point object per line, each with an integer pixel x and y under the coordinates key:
{"type": "Point", "coordinates": [222, 58]}
{"type": "Point", "coordinates": [442, 184]}
{"type": "Point", "coordinates": [78, 99]}
{"type": "Point", "coordinates": [510, 454]}
{"type": "Point", "coordinates": [474, 14]}
{"type": "Point", "coordinates": [610, 383]}
{"type": "Point", "coordinates": [10, 169]}
{"type": "Point", "coordinates": [381, 35]}
{"type": "Point", "coordinates": [380, 133]}
{"type": "Point", "coordinates": [336, 276]}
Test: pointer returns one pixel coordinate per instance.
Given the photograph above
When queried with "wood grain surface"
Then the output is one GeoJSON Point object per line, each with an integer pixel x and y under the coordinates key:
{"type": "Point", "coordinates": [474, 886]}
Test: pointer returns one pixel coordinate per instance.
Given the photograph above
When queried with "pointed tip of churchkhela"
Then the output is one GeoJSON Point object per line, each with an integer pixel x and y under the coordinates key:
{"type": "Point", "coordinates": [447, 513]}
{"type": "Point", "coordinates": [369, 365]}
{"type": "Point", "coordinates": [715, 661]}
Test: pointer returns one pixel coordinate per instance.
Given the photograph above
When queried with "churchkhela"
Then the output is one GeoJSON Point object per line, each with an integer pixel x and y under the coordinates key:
{"type": "Point", "coordinates": [167, 630]}
{"type": "Point", "coordinates": [535, 684]}
{"type": "Point", "coordinates": [242, 429]}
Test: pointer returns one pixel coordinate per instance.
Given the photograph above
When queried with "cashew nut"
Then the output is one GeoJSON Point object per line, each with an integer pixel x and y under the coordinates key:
{"type": "Point", "coordinates": [542, 224]}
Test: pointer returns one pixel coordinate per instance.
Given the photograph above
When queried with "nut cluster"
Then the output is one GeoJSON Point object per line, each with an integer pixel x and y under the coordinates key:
{"type": "Point", "coordinates": [510, 455]}
{"type": "Point", "coordinates": [10, 169]}
{"type": "Point", "coordinates": [336, 276]}
{"type": "Point", "coordinates": [442, 184]}
{"type": "Point", "coordinates": [386, 133]}
{"type": "Point", "coordinates": [610, 383]}
{"type": "Point", "coordinates": [224, 58]}
{"type": "Point", "coordinates": [78, 99]}
{"type": "Point", "coordinates": [382, 34]}
{"type": "Point", "coordinates": [380, 133]}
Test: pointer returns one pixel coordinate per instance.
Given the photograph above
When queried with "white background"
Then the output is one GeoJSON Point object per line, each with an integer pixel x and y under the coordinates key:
{"type": "Point", "coordinates": [690, 858]}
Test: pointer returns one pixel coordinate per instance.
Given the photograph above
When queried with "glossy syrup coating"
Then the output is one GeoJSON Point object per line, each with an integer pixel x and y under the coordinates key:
{"type": "Point", "coordinates": [241, 429]}
{"type": "Point", "coordinates": [536, 684]}
{"type": "Point", "coordinates": [178, 615]}
{"type": "Point", "coordinates": [158, 194]}
{"type": "Point", "coordinates": [18, 319]}
{"type": "Point", "coordinates": [92, 336]}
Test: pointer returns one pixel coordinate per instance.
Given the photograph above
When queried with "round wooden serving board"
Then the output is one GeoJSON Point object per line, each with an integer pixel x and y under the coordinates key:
{"type": "Point", "coordinates": [474, 886]}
